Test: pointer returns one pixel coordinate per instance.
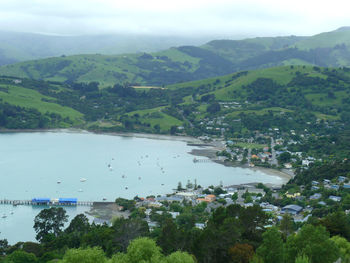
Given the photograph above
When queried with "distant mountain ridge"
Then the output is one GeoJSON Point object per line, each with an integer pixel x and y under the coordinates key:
{"type": "Point", "coordinates": [187, 63]}
{"type": "Point", "coordinates": [17, 47]}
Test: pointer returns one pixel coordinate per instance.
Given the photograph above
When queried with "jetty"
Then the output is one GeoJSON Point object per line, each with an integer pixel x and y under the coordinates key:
{"type": "Point", "coordinates": [48, 202]}
{"type": "Point", "coordinates": [195, 160]}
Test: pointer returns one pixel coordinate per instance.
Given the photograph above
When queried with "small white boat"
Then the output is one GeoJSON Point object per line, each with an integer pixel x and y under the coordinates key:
{"type": "Point", "coordinates": [58, 182]}
{"type": "Point", "coordinates": [11, 213]}
{"type": "Point", "coordinates": [83, 180]}
{"type": "Point", "coordinates": [104, 198]}
{"type": "Point", "coordinates": [80, 190]}
{"type": "Point", "coordinates": [4, 216]}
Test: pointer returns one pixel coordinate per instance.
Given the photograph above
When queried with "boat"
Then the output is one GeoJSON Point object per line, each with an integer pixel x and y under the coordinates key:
{"type": "Point", "coordinates": [58, 182]}
{"type": "Point", "coordinates": [83, 179]}
{"type": "Point", "coordinates": [4, 216]}
{"type": "Point", "coordinates": [104, 198]}
{"type": "Point", "coordinates": [80, 190]}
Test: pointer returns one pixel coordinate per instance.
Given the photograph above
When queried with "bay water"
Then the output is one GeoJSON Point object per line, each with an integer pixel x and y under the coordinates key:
{"type": "Point", "coordinates": [95, 167]}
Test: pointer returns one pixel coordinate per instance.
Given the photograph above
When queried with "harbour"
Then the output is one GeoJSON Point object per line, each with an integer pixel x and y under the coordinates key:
{"type": "Point", "coordinates": [96, 168]}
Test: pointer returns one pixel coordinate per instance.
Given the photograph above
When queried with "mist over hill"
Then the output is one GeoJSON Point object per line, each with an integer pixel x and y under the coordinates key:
{"type": "Point", "coordinates": [183, 63]}
{"type": "Point", "coordinates": [16, 47]}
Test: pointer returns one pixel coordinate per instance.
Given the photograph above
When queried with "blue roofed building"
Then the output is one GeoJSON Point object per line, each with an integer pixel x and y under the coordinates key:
{"type": "Point", "coordinates": [292, 209]}
{"type": "Point", "coordinates": [41, 201]}
{"type": "Point", "coordinates": [67, 201]}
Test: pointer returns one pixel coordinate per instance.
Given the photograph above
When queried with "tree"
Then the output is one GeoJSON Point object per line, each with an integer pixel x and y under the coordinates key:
{"type": "Point", "coordinates": [302, 259]}
{"type": "Point", "coordinates": [20, 256]}
{"type": "Point", "coordinates": [286, 225]}
{"type": "Point", "coordinates": [168, 238]}
{"type": "Point", "coordinates": [87, 255]}
{"type": "Point", "coordinates": [179, 257]}
{"type": "Point", "coordinates": [313, 242]}
{"type": "Point", "coordinates": [241, 253]}
{"type": "Point", "coordinates": [125, 204]}
{"type": "Point", "coordinates": [271, 249]}
{"type": "Point", "coordinates": [214, 107]}
{"type": "Point", "coordinates": [284, 157]}
{"type": "Point", "coordinates": [49, 222]}
{"type": "Point", "coordinates": [4, 246]}
{"type": "Point", "coordinates": [79, 224]}
{"type": "Point", "coordinates": [344, 248]}
{"type": "Point", "coordinates": [337, 223]}
{"type": "Point", "coordinates": [143, 250]}
{"type": "Point", "coordinates": [173, 130]}
{"type": "Point", "coordinates": [126, 230]}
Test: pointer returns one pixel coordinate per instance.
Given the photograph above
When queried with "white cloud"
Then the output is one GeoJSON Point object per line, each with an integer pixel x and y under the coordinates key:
{"type": "Point", "coordinates": [189, 17]}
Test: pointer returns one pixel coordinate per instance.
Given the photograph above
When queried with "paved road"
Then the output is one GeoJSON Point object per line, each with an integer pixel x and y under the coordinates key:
{"type": "Point", "coordinates": [273, 152]}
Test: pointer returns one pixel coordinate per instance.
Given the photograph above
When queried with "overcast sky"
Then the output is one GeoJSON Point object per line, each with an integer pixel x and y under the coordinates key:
{"type": "Point", "coordinates": [177, 17]}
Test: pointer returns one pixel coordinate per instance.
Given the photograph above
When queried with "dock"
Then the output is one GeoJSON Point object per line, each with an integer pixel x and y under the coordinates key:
{"type": "Point", "coordinates": [48, 203]}
{"type": "Point", "coordinates": [195, 160]}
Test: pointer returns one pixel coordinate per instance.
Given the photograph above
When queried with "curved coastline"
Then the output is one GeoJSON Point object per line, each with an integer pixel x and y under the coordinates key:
{"type": "Point", "coordinates": [205, 149]}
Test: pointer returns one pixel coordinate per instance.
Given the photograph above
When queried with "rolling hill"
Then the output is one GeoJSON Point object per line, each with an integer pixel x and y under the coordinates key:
{"type": "Point", "coordinates": [186, 63]}
{"type": "Point", "coordinates": [286, 96]}
{"type": "Point", "coordinates": [17, 47]}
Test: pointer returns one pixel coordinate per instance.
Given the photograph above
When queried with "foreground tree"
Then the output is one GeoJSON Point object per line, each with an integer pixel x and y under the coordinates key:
{"type": "Point", "coordinates": [21, 257]}
{"type": "Point", "coordinates": [241, 253]}
{"type": "Point", "coordinates": [271, 249]}
{"type": "Point", "coordinates": [313, 242]}
{"type": "Point", "coordinates": [88, 255]}
{"type": "Point", "coordinates": [49, 223]}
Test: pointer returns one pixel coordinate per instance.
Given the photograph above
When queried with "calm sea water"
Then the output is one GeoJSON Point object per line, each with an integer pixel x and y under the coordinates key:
{"type": "Point", "coordinates": [92, 167]}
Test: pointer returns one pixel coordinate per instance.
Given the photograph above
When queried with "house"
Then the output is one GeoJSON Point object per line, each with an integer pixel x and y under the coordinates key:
{"type": "Point", "coordinates": [207, 198]}
{"type": "Point", "coordinates": [341, 179]}
{"type": "Point", "coordinates": [292, 209]}
{"type": "Point", "coordinates": [314, 187]}
{"type": "Point", "coordinates": [288, 165]}
{"type": "Point", "coordinates": [335, 198]}
{"type": "Point", "coordinates": [326, 181]}
{"type": "Point", "coordinates": [306, 162]}
{"type": "Point", "coordinates": [346, 186]}
{"type": "Point", "coordinates": [314, 183]}
{"type": "Point", "coordinates": [199, 225]}
{"type": "Point", "coordinates": [315, 196]}
{"type": "Point", "coordinates": [170, 199]}
{"type": "Point", "coordinates": [174, 214]}
{"type": "Point", "coordinates": [292, 195]}
{"type": "Point", "coordinates": [335, 187]}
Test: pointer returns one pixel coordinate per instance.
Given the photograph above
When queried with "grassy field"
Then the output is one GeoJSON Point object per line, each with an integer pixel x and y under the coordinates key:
{"type": "Point", "coordinates": [156, 116]}
{"type": "Point", "coordinates": [28, 98]}
{"type": "Point", "coordinates": [250, 145]}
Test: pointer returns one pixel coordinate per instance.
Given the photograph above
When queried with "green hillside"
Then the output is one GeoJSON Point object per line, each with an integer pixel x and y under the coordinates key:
{"type": "Point", "coordinates": [326, 40]}
{"type": "Point", "coordinates": [16, 46]}
{"type": "Point", "coordinates": [186, 63]}
{"type": "Point", "coordinates": [287, 96]}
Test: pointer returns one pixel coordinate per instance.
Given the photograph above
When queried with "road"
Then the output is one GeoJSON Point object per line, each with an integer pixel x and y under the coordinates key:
{"type": "Point", "coordinates": [273, 152]}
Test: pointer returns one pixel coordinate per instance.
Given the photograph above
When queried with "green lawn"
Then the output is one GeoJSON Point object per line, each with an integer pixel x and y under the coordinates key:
{"type": "Point", "coordinates": [28, 98]}
{"type": "Point", "coordinates": [165, 121]}
{"type": "Point", "coordinates": [250, 145]}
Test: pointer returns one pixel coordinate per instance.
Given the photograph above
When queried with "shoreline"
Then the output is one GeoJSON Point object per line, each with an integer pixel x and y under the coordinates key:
{"type": "Point", "coordinates": [188, 139]}
{"type": "Point", "coordinates": [210, 152]}
{"type": "Point", "coordinates": [207, 150]}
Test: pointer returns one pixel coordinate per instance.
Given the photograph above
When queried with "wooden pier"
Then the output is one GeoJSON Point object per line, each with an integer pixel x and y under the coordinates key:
{"type": "Point", "coordinates": [51, 203]}
{"type": "Point", "coordinates": [195, 160]}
